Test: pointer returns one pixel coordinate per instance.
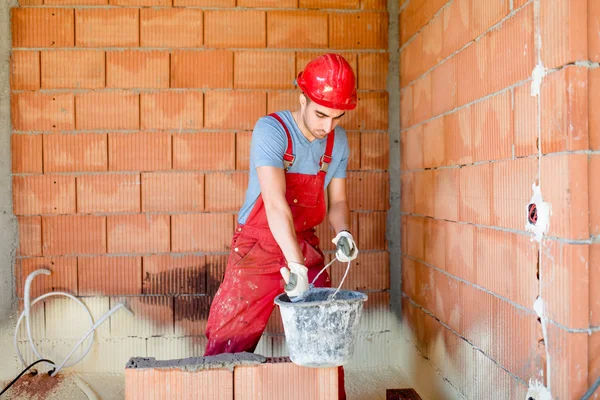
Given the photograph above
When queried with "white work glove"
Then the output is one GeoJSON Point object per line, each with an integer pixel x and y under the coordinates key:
{"type": "Point", "coordinates": [296, 280]}
{"type": "Point", "coordinates": [346, 249]}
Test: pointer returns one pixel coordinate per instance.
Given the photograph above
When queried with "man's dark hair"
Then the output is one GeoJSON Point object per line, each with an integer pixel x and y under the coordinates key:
{"type": "Point", "coordinates": [308, 100]}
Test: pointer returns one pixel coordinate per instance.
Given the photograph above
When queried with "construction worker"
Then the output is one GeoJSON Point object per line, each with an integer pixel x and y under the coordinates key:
{"type": "Point", "coordinates": [294, 158]}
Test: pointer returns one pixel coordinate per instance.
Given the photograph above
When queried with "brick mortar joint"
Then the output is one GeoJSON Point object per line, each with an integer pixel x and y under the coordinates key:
{"type": "Point", "coordinates": [438, 370]}
{"type": "Point", "coordinates": [424, 310]}
{"type": "Point", "coordinates": [420, 30]}
{"type": "Point", "coordinates": [496, 228]}
{"type": "Point", "coordinates": [579, 63]}
{"type": "Point", "coordinates": [469, 104]}
{"type": "Point", "coordinates": [466, 45]}
{"type": "Point", "coordinates": [173, 132]}
{"type": "Point", "coordinates": [78, 174]}
{"type": "Point", "coordinates": [223, 9]}
{"type": "Point", "coordinates": [141, 295]}
{"type": "Point", "coordinates": [146, 49]}
{"type": "Point", "coordinates": [589, 331]}
{"type": "Point", "coordinates": [476, 163]}
{"type": "Point", "coordinates": [468, 283]}
{"type": "Point", "coordinates": [169, 253]}
{"type": "Point", "coordinates": [594, 239]}
{"type": "Point", "coordinates": [166, 90]}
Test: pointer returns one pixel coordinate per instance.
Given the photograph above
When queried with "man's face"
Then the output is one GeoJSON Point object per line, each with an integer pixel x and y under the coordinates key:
{"type": "Point", "coordinates": [319, 120]}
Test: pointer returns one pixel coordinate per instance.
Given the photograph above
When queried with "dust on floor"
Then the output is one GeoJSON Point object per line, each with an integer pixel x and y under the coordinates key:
{"type": "Point", "coordinates": [64, 387]}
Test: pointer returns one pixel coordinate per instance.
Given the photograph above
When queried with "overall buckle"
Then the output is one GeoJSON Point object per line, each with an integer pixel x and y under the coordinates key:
{"type": "Point", "coordinates": [325, 163]}
{"type": "Point", "coordinates": [288, 160]}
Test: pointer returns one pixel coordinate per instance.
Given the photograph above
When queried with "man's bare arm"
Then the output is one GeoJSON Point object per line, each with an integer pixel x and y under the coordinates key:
{"type": "Point", "coordinates": [339, 211]}
{"type": "Point", "coordinates": [279, 215]}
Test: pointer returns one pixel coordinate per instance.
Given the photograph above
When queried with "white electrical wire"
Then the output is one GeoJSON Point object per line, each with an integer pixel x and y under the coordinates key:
{"type": "Point", "coordinates": [321, 271]}
{"type": "Point", "coordinates": [85, 388]}
{"type": "Point", "coordinates": [342, 282]}
{"type": "Point", "coordinates": [26, 314]}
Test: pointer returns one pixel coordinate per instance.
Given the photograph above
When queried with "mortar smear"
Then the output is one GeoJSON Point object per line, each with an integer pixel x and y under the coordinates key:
{"type": "Point", "coordinates": [193, 364]}
{"type": "Point", "coordinates": [538, 75]}
{"type": "Point", "coordinates": [537, 391]}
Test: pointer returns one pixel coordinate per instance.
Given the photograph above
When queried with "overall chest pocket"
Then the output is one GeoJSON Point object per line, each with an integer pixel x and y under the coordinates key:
{"type": "Point", "coordinates": [296, 198]}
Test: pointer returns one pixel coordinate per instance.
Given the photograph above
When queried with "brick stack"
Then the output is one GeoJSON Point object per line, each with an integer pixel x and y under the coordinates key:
{"type": "Point", "coordinates": [241, 377]}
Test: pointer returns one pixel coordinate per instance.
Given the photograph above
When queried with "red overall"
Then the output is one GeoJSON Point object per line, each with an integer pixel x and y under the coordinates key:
{"type": "Point", "coordinates": [244, 302]}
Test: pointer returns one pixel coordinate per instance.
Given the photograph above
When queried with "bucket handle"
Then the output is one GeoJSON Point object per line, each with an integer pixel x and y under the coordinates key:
{"type": "Point", "coordinates": [341, 283]}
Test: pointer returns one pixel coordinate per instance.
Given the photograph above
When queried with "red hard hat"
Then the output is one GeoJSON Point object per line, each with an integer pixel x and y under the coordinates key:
{"type": "Point", "coordinates": [328, 80]}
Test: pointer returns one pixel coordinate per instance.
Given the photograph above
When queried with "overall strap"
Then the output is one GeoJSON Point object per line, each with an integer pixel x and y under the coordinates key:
{"type": "Point", "coordinates": [288, 157]}
{"type": "Point", "coordinates": [326, 158]}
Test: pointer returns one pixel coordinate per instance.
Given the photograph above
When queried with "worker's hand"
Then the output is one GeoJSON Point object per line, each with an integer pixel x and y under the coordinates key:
{"type": "Point", "coordinates": [296, 280]}
{"type": "Point", "coordinates": [346, 249]}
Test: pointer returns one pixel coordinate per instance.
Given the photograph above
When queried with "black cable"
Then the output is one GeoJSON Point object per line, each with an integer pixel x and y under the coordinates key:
{"type": "Point", "coordinates": [21, 374]}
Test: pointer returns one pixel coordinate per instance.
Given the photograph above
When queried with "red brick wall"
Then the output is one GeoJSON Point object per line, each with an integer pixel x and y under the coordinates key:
{"type": "Point", "coordinates": [473, 142]}
{"type": "Point", "coordinates": [131, 133]}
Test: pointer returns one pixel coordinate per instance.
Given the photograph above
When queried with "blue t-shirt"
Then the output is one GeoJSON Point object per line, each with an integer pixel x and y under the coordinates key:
{"type": "Point", "coordinates": [269, 143]}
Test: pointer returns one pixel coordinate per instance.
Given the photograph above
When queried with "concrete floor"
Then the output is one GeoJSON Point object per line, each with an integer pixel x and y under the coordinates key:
{"type": "Point", "coordinates": [371, 384]}
{"type": "Point", "coordinates": [365, 384]}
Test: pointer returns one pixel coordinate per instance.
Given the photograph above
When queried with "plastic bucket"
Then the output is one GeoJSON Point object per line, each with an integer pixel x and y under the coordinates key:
{"type": "Point", "coordinates": [320, 332]}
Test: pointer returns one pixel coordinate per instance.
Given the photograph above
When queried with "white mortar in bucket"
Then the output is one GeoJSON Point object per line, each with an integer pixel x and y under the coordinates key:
{"type": "Point", "coordinates": [320, 330]}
